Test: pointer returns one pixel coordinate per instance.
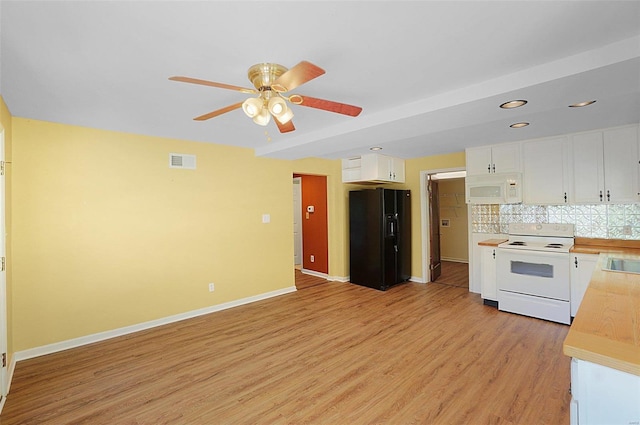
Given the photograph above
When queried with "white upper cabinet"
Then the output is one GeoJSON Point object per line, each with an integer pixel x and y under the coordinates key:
{"type": "Point", "coordinates": [503, 158]}
{"type": "Point", "coordinates": [605, 166]}
{"type": "Point", "coordinates": [545, 168]}
{"type": "Point", "coordinates": [373, 168]}
{"type": "Point", "coordinates": [621, 165]}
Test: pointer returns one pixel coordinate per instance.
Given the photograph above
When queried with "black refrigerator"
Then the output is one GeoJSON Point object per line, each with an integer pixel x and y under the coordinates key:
{"type": "Point", "coordinates": [379, 237]}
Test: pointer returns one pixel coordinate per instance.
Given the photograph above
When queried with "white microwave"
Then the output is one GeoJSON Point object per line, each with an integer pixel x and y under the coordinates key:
{"type": "Point", "coordinates": [505, 188]}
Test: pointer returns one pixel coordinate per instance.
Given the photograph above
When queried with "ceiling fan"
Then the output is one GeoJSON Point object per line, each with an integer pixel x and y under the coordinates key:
{"type": "Point", "coordinates": [271, 82]}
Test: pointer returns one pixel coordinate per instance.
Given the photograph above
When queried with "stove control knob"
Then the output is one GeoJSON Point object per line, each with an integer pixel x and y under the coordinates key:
{"type": "Point", "coordinates": [538, 226]}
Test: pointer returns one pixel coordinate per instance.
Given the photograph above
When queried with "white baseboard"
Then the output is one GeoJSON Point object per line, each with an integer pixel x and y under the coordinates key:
{"type": "Point", "coordinates": [416, 279]}
{"type": "Point", "coordinates": [315, 273]}
{"type": "Point", "coordinates": [454, 260]}
{"type": "Point", "coordinates": [101, 336]}
{"type": "Point", "coordinates": [325, 276]}
{"type": "Point", "coordinates": [342, 279]}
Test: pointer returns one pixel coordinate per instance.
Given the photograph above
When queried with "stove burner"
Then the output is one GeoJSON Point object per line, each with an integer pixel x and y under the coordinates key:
{"type": "Point", "coordinates": [517, 243]}
{"type": "Point", "coordinates": [554, 245]}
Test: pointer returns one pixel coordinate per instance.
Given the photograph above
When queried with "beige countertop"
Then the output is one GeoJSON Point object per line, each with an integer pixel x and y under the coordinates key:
{"type": "Point", "coordinates": [606, 329]}
{"type": "Point", "coordinates": [596, 246]}
{"type": "Point", "coordinates": [491, 242]}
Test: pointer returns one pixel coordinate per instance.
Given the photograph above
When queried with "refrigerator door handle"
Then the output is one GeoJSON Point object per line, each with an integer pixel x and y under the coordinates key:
{"type": "Point", "coordinates": [391, 226]}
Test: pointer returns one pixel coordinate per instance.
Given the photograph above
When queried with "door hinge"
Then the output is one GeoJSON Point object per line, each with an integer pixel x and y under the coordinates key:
{"type": "Point", "coordinates": [4, 359]}
{"type": "Point", "coordinates": [1, 168]}
{"type": "Point", "coordinates": [3, 265]}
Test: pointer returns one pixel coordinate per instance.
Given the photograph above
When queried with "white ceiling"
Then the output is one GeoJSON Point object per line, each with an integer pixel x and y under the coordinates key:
{"type": "Point", "coordinates": [429, 75]}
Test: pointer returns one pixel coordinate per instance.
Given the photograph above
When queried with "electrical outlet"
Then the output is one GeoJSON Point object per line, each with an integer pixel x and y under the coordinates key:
{"type": "Point", "coordinates": [211, 287]}
{"type": "Point", "coordinates": [313, 258]}
{"type": "Point", "coordinates": [626, 230]}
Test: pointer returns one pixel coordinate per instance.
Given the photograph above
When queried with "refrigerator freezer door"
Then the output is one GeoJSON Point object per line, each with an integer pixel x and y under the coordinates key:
{"type": "Point", "coordinates": [380, 237]}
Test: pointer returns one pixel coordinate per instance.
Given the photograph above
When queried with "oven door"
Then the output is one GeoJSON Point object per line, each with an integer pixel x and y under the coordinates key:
{"type": "Point", "coordinates": [538, 273]}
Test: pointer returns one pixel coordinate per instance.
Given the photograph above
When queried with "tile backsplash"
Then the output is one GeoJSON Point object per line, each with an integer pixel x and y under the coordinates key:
{"type": "Point", "coordinates": [591, 221]}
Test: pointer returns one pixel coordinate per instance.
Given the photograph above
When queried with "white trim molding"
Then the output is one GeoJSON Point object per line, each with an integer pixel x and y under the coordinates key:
{"type": "Point", "coordinates": [325, 276]}
{"type": "Point", "coordinates": [101, 336]}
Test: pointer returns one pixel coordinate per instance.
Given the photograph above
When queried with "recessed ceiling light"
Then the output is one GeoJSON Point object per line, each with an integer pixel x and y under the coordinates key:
{"type": "Point", "coordinates": [375, 148]}
{"type": "Point", "coordinates": [581, 104]}
{"type": "Point", "coordinates": [513, 104]}
{"type": "Point", "coordinates": [519, 125]}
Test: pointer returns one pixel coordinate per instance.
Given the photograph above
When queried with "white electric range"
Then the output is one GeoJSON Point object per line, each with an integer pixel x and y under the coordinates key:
{"type": "Point", "coordinates": [533, 271]}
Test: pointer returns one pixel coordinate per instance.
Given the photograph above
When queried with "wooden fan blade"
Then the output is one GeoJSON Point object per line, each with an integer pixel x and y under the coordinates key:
{"type": "Point", "coordinates": [212, 84]}
{"type": "Point", "coordinates": [296, 76]}
{"type": "Point", "coordinates": [328, 105]}
{"type": "Point", "coordinates": [219, 112]}
{"type": "Point", "coordinates": [286, 127]}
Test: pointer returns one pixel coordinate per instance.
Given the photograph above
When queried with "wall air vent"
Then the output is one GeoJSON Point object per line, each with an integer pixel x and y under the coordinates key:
{"type": "Point", "coordinates": [181, 160]}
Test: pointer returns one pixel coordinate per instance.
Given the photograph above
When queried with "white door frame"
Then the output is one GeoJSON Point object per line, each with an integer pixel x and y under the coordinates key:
{"type": "Point", "coordinates": [424, 216]}
{"type": "Point", "coordinates": [297, 213]}
{"type": "Point", "coordinates": [3, 276]}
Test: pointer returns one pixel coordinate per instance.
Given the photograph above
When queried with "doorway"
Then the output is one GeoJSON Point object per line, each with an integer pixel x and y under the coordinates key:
{"type": "Point", "coordinates": [314, 230]}
{"type": "Point", "coordinates": [444, 227]}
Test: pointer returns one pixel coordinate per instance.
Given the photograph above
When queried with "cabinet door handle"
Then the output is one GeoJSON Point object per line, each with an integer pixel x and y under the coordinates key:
{"type": "Point", "coordinates": [600, 196]}
{"type": "Point", "coordinates": [576, 261]}
{"type": "Point", "coordinates": [565, 197]}
{"type": "Point", "coordinates": [489, 168]}
{"type": "Point", "coordinates": [608, 196]}
{"type": "Point", "coordinates": [494, 168]}
{"type": "Point", "coordinates": [494, 254]}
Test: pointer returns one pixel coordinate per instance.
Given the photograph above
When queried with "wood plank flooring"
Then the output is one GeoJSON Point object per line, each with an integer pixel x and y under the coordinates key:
{"type": "Point", "coordinates": [335, 353]}
{"type": "Point", "coordinates": [454, 273]}
{"type": "Point", "coordinates": [306, 280]}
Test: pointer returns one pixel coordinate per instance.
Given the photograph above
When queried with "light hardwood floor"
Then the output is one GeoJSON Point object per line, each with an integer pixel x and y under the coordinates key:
{"type": "Point", "coordinates": [454, 273]}
{"type": "Point", "coordinates": [306, 280]}
{"type": "Point", "coordinates": [334, 353]}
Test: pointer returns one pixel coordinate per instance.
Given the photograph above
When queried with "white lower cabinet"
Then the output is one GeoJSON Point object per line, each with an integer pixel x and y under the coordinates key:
{"type": "Point", "coordinates": [488, 286]}
{"type": "Point", "coordinates": [582, 267]}
{"type": "Point", "coordinates": [602, 395]}
{"type": "Point", "coordinates": [475, 258]}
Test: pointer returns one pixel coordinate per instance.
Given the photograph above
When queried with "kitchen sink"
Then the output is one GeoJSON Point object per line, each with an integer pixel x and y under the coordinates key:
{"type": "Point", "coordinates": [622, 265]}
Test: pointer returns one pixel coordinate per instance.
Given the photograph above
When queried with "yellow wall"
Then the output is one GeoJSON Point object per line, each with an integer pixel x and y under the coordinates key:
{"type": "Point", "coordinates": [106, 235]}
{"type": "Point", "coordinates": [454, 240]}
{"type": "Point", "coordinates": [5, 122]}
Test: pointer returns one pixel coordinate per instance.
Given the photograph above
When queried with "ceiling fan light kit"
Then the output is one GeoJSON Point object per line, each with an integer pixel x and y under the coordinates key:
{"type": "Point", "coordinates": [263, 117]}
{"type": "Point", "coordinates": [270, 81]}
{"type": "Point", "coordinates": [277, 105]}
{"type": "Point", "coordinates": [252, 106]}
